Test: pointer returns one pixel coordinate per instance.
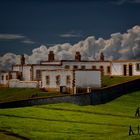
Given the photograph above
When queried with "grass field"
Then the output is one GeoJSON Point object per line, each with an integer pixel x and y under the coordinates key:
{"type": "Point", "coordinates": [113, 80]}
{"type": "Point", "coordinates": [12, 94]}
{"type": "Point", "coordinates": [71, 122]}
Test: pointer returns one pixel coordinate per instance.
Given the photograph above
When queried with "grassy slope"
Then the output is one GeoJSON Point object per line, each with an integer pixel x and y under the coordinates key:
{"type": "Point", "coordinates": [113, 80]}
{"type": "Point", "coordinates": [68, 121]}
{"type": "Point", "coordinates": [8, 137]}
{"type": "Point", "coordinates": [10, 94]}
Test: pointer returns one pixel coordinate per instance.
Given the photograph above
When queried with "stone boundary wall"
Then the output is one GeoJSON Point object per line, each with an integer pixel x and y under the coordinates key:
{"type": "Point", "coordinates": [81, 99]}
{"type": "Point", "coordinates": [109, 93]}
{"type": "Point", "coordinates": [96, 97]}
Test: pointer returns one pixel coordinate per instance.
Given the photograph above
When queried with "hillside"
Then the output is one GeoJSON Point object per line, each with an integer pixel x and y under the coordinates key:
{"type": "Point", "coordinates": [13, 94]}
{"type": "Point", "coordinates": [68, 121]}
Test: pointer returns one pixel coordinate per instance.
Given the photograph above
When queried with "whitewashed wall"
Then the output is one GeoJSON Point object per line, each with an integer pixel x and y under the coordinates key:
{"type": "Point", "coordinates": [25, 71]}
{"type": "Point", "coordinates": [136, 72]}
{"type": "Point", "coordinates": [43, 67]}
{"type": "Point", "coordinates": [53, 63]}
{"type": "Point", "coordinates": [14, 83]}
{"type": "Point", "coordinates": [4, 81]}
{"type": "Point", "coordinates": [117, 68]}
{"type": "Point", "coordinates": [85, 79]}
{"type": "Point", "coordinates": [88, 65]}
{"type": "Point", "coordinates": [52, 75]}
{"type": "Point", "coordinates": [16, 68]}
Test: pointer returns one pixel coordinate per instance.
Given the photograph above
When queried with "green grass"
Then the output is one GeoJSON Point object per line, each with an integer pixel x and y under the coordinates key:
{"type": "Point", "coordinates": [113, 80]}
{"type": "Point", "coordinates": [68, 121]}
{"type": "Point", "coordinates": [12, 94]}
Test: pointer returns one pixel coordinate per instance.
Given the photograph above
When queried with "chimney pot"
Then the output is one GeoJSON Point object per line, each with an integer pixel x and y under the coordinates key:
{"type": "Point", "coordinates": [77, 56]}
{"type": "Point", "coordinates": [51, 56]}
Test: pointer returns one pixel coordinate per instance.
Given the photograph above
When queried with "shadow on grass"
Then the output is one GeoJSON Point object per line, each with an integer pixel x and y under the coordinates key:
{"type": "Point", "coordinates": [89, 112]}
{"type": "Point", "coordinates": [5, 132]}
{"type": "Point", "coordinates": [66, 121]}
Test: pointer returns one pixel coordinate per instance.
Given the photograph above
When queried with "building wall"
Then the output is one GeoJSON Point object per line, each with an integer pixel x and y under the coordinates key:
{"type": "Point", "coordinates": [16, 68]}
{"type": "Point", "coordinates": [117, 68]}
{"type": "Point", "coordinates": [78, 79]}
{"type": "Point", "coordinates": [88, 65]}
{"type": "Point", "coordinates": [42, 67]}
{"type": "Point", "coordinates": [54, 62]}
{"type": "Point", "coordinates": [52, 74]}
{"type": "Point", "coordinates": [3, 79]}
{"type": "Point", "coordinates": [25, 69]}
{"type": "Point", "coordinates": [85, 79]}
{"type": "Point", "coordinates": [14, 83]}
{"type": "Point", "coordinates": [31, 75]}
{"type": "Point", "coordinates": [26, 73]}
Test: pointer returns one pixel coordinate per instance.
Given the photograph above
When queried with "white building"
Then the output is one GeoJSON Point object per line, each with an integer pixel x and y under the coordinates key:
{"type": "Point", "coordinates": [47, 73]}
{"type": "Point", "coordinates": [70, 80]}
{"type": "Point", "coordinates": [125, 67]}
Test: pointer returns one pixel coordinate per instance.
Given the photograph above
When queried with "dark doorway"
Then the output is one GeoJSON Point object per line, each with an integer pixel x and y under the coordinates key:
{"type": "Point", "coordinates": [130, 70]}
{"type": "Point", "coordinates": [124, 70]}
{"type": "Point", "coordinates": [63, 89]}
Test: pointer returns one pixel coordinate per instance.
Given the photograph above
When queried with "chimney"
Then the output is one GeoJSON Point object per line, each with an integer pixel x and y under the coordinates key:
{"type": "Point", "coordinates": [77, 56]}
{"type": "Point", "coordinates": [22, 60]}
{"type": "Point", "coordinates": [101, 56]}
{"type": "Point", "coordinates": [51, 56]}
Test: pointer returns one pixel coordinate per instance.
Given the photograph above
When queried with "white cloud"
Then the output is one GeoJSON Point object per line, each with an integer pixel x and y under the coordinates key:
{"type": "Point", "coordinates": [28, 41]}
{"type": "Point", "coordinates": [118, 46]}
{"type": "Point", "coordinates": [121, 2]}
{"type": "Point", "coordinates": [11, 36]}
{"type": "Point", "coordinates": [69, 35]}
{"type": "Point", "coordinates": [23, 39]}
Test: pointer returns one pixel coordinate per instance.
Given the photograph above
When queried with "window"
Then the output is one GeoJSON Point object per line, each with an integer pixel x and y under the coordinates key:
{"type": "Point", "coordinates": [6, 77]}
{"type": "Point", "coordinates": [108, 69]}
{"type": "Point", "coordinates": [10, 76]}
{"type": "Point", "coordinates": [67, 67]}
{"type": "Point", "coordinates": [101, 67]}
{"type": "Point", "coordinates": [47, 80]}
{"type": "Point", "coordinates": [75, 67]}
{"type": "Point", "coordinates": [138, 66]}
{"type": "Point", "coordinates": [68, 79]}
{"type": "Point", "coordinates": [83, 67]}
{"type": "Point", "coordinates": [2, 77]}
{"type": "Point", "coordinates": [38, 74]}
{"type": "Point", "coordinates": [93, 67]}
{"type": "Point", "coordinates": [58, 79]}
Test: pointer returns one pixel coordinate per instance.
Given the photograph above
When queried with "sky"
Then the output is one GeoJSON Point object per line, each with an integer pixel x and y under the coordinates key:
{"type": "Point", "coordinates": [28, 24]}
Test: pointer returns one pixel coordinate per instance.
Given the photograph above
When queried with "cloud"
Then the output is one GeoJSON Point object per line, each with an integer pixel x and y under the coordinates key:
{"type": "Point", "coordinates": [72, 34]}
{"type": "Point", "coordinates": [121, 2]}
{"type": "Point", "coordinates": [11, 36]}
{"type": "Point", "coordinates": [28, 41]}
{"type": "Point", "coordinates": [118, 46]}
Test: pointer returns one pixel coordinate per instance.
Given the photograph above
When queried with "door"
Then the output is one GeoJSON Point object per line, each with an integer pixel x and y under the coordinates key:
{"type": "Point", "coordinates": [130, 70]}
{"type": "Point", "coordinates": [124, 70]}
{"type": "Point", "coordinates": [63, 89]}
